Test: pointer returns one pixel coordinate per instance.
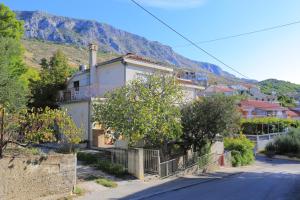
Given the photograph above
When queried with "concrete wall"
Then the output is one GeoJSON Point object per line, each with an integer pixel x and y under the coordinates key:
{"type": "Point", "coordinates": [79, 111]}
{"type": "Point", "coordinates": [26, 178]}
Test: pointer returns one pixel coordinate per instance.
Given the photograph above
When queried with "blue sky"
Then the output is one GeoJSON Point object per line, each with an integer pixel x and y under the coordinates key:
{"type": "Point", "coordinates": [273, 54]}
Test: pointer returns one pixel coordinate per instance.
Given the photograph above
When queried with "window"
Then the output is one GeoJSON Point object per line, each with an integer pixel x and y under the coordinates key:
{"type": "Point", "coordinates": [76, 85]}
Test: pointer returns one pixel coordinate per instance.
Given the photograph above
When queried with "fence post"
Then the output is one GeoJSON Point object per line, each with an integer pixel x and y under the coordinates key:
{"type": "Point", "coordinates": [136, 162]}
{"type": "Point", "coordinates": [158, 160]}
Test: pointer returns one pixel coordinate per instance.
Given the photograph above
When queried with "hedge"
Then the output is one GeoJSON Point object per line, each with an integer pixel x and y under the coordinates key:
{"type": "Point", "coordinates": [267, 125]}
{"type": "Point", "coordinates": [241, 150]}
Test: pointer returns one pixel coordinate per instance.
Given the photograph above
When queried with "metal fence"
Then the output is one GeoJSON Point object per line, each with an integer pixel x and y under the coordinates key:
{"type": "Point", "coordinates": [151, 161]}
{"type": "Point", "coordinates": [119, 156]}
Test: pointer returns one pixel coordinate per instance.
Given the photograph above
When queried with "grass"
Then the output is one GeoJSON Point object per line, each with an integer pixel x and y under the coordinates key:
{"type": "Point", "coordinates": [106, 182]}
{"type": "Point", "coordinates": [78, 191]}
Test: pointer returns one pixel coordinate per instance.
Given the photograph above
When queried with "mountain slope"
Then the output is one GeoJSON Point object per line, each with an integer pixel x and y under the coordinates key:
{"type": "Point", "coordinates": [278, 86]}
{"type": "Point", "coordinates": [64, 30]}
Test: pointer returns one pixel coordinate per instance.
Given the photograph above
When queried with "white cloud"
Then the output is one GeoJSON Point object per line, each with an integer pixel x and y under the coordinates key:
{"type": "Point", "coordinates": [172, 4]}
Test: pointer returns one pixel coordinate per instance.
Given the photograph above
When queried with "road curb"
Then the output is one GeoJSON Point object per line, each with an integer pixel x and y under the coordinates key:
{"type": "Point", "coordinates": [185, 186]}
{"type": "Point", "coordinates": [280, 157]}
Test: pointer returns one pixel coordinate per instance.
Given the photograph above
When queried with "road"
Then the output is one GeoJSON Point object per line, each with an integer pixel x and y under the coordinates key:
{"type": "Point", "coordinates": [265, 180]}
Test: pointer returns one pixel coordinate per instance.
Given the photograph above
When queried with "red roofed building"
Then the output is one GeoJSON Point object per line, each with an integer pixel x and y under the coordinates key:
{"type": "Point", "coordinates": [219, 89]}
{"type": "Point", "coordinates": [293, 114]}
{"type": "Point", "coordinates": [255, 108]}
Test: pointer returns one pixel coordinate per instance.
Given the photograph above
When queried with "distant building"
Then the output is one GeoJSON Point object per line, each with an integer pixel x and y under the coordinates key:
{"type": "Point", "coordinates": [219, 89]}
{"type": "Point", "coordinates": [255, 109]}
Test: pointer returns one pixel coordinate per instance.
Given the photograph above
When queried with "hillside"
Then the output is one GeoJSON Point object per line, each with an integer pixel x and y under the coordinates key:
{"type": "Point", "coordinates": [63, 30]}
{"type": "Point", "coordinates": [278, 86]}
{"type": "Point", "coordinates": [36, 50]}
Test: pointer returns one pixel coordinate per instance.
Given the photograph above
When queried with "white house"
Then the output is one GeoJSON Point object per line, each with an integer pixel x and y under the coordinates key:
{"type": "Point", "coordinates": [88, 84]}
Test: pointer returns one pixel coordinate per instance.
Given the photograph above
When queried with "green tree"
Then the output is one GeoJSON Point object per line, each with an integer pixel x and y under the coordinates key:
{"type": "Point", "coordinates": [10, 27]}
{"type": "Point", "coordinates": [25, 127]}
{"type": "Point", "coordinates": [53, 77]}
{"type": "Point", "coordinates": [204, 119]}
{"type": "Point", "coordinates": [144, 110]}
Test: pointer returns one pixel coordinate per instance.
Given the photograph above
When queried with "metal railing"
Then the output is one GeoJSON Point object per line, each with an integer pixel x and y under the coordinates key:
{"type": "Point", "coordinates": [151, 161]}
{"type": "Point", "coordinates": [119, 156]}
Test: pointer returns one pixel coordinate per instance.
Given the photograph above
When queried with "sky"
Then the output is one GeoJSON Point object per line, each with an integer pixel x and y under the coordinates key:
{"type": "Point", "coordinates": [272, 54]}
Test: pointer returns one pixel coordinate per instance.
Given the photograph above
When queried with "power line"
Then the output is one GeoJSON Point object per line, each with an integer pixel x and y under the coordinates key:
{"type": "Point", "coordinates": [243, 34]}
{"type": "Point", "coordinates": [187, 39]}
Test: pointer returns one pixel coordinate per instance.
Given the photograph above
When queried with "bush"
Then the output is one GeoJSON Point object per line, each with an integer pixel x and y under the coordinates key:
{"type": "Point", "coordinates": [87, 158]}
{"type": "Point", "coordinates": [78, 191]}
{"type": "Point", "coordinates": [286, 144]}
{"type": "Point", "coordinates": [110, 168]}
{"type": "Point", "coordinates": [106, 182]}
{"type": "Point", "coordinates": [241, 150]}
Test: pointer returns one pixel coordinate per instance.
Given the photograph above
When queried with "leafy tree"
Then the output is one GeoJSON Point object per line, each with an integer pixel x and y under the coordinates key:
{"type": "Point", "coordinates": [10, 27]}
{"type": "Point", "coordinates": [204, 119]}
{"type": "Point", "coordinates": [144, 110]}
{"type": "Point", "coordinates": [53, 77]}
{"type": "Point", "coordinates": [287, 101]}
{"type": "Point", "coordinates": [49, 125]}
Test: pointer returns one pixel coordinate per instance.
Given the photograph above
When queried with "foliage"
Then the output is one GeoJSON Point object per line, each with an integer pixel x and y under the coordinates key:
{"type": "Point", "coordinates": [286, 144]}
{"type": "Point", "coordinates": [106, 182]}
{"type": "Point", "coordinates": [10, 27]}
{"type": "Point", "coordinates": [111, 168]}
{"type": "Point", "coordinates": [143, 110]}
{"type": "Point", "coordinates": [78, 191]}
{"type": "Point", "coordinates": [87, 158]}
{"type": "Point", "coordinates": [241, 150]}
{"type": "Point", "coordinates": [204, 119]}
{"type": "Point", "coordinates": [53, 77]}
{"type": "Point", "coordinates": [267, 125]}
{"type": "Point", "coordinates": [36, 126]}
{"type": "Point", "coordinates": [13, 92]}
{"type": "Point", "coordinates": [278, 86]}
{"type": "Point", "coordinates": [287, 101]}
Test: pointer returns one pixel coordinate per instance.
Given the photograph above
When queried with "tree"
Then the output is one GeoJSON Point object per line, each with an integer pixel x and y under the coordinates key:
{"type": "Point", "coordinates": [36, 126]}
{"type": "Point", "coordinates": [10, 27]}
{"type": "Point", "coordinates": [204, 119]}
{"type": "Point", "coordinates": [144, 110]}
{"type": "Point", "coordinates": [53, 78]}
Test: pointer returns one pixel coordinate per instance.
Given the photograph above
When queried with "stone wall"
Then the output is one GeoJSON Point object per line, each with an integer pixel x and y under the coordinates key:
{"type": "Point", "coordinates": [36, 177]}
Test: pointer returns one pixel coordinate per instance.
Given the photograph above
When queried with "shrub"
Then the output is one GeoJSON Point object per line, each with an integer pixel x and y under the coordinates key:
{"type": "Point", "coordinates": [79, 191]}
{"type": "Point", "coordinates": [241, 150]}
{"type": "Point", "coordinates": [110, 168]}
{"type": "Point", "coordinates": [286, 144]}
{"type": "Point", "coordinates": [106, 182]}
{"type": "Point", "coordinates": [87, 158]}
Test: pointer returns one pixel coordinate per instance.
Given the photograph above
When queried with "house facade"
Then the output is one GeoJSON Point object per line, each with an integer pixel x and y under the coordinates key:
{"type": "Point", "coordinates": [256, 109]}
{"type": "Point", "coordinates": [89, 84]}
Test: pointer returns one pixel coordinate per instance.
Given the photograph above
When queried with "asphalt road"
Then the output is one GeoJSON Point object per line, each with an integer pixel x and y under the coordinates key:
{"type": "Point", "coordinates": [266, 180]}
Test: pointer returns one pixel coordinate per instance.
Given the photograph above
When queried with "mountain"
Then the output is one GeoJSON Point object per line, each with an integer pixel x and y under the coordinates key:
{"type": "Point", "coordinates": [63, 30]}
{"type": "Point", "coordinates": [280, 87]}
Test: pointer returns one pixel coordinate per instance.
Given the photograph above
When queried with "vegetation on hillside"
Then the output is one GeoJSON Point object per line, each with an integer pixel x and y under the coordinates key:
{"type": "Point", "coordinates": [36, 50]}
{"type": "Point", "coordinates": [278, 86]}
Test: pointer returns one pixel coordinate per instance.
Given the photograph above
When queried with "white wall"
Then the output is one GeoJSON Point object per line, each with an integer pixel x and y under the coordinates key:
{"type": "Point", "coordinates": [84, 81]}
{"type": "Point", "coordinates": [132, 72]}
{"type": "Point", "coordinates": [79, 111]}
{"type": "Point", "coordinates": [110, 76]}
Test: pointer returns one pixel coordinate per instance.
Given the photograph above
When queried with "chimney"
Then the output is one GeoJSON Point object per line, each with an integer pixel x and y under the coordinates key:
{"type": "Point", "coordinates": [93, 48]}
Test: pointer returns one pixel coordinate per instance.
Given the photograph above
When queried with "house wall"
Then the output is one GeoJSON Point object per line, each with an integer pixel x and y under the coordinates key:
{"type": "Point", "coordinates": [80, 113]}
{"type": "Point", "coordinates": [110, 76]}
{"type": "Point", "coordinates": [133, 72]}
{"type": "Point", "coordinates": [84, 88]}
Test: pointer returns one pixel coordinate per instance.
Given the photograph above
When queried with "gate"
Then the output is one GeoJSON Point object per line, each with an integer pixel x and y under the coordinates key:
{"type": "Point", "coordinates": [151, 161]}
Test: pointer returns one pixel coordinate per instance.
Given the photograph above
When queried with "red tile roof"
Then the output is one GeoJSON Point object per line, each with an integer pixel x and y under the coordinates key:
{"type": "Point", "coordinates": [263, 105]}
{"type": "Point", "coordinates": [293, 113]}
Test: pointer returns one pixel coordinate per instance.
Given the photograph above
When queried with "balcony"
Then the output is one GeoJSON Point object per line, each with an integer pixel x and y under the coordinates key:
{"type": "Point", "coordinates": [75, 94]}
